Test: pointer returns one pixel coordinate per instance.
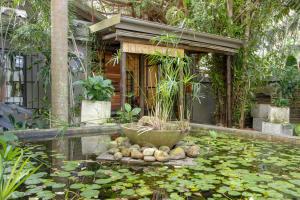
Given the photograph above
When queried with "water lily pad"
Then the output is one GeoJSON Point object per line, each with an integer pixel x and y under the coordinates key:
{"type": "Point", "coordinates": [86, 173]}
{"type": "Point", "coordinates": [89, 194]}
{"type": "Point", "coordinates": [77, 186]}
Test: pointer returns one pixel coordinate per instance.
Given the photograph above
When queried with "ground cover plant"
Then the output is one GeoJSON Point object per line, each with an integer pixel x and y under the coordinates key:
{"type": "Point", "coordinates": [228, 168]}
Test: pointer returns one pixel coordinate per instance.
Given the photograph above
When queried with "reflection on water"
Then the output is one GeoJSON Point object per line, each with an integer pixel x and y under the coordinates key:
{"type": "Point", "coordinates": [228, 168]}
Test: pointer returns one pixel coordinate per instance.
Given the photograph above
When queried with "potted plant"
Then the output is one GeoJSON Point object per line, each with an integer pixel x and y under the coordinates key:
{"type": "Point", "coordinates": [160, 129]}
{"type": "Point", "coordinates": [96, 108]}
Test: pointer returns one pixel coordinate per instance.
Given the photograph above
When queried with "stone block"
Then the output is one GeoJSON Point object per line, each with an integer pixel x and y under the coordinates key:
{"type": "Point", "coordinates": [279, 114]}
{"type": "Point", "coordinates": [257, 123]}
{"type": "Point", "coordinates": [277, 129]}
{"type": "Point", "coordinates": [95, 145]}
{"type": "Point", "coordinates": [260, 111]}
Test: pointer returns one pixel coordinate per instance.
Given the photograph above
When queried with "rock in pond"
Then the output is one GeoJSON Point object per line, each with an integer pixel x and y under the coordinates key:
{"type": "Point", "coordinates": [165, 149]}
{"type": "Point", "coordinates": [193, 151]}
{"type": "Point", "coordinates": [136, 154]}
{"type": "Point", "coordinates": [125, 151]}
{"type": "Point", "coordinates": [148, 151]}
{"type": "Point", "coordinates": [113, 144]}
{"type": "Point", "coordinates": [122, 141]}
{"type": "Point", "coordinates": [136, 146]}
{"type": "Point", "coordinates": [149, 158]}
{"type": "Point", "coordinates": [118, 156]}
{"type": "Point", "coordinates": [177, 153]}
{"type": "Point", "coordinates": [113, 151]}
{"type": "Point", "coordinates": [161, 156]}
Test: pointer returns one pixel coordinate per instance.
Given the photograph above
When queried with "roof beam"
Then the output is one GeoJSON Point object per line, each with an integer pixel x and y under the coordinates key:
{"type": "Point", "coordinates": [114, 20]}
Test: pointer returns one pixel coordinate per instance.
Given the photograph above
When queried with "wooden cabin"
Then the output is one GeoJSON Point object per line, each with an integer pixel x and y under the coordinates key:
{"type": "Point", "coordinates": [134, 79]}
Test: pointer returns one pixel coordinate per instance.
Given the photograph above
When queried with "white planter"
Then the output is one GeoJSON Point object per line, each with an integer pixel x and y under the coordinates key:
{"type": "Point", "coordinates": [260, 111]}
{"type": "Point", "coordinates": [279, 114]}
{"type": "Point", "coordinates": [95, 112]}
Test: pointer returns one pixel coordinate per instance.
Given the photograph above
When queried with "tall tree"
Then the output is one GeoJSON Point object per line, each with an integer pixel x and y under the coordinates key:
{"type": "Point", "coordinates": [59, 60]}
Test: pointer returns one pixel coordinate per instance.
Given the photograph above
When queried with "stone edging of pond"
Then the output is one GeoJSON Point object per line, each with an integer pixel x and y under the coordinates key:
{"type": "Point", "coordinates": [246, 133]}
{"type": "Point", "coordinates": [72, 132]}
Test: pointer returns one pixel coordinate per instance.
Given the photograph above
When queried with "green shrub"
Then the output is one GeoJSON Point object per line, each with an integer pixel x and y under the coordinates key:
{"type": "Point", "coordinates": [129, 114]}
{"type": "Point", "coordinates": [297, 130]}
{"type": "Point", "coordinates": [97, 88]}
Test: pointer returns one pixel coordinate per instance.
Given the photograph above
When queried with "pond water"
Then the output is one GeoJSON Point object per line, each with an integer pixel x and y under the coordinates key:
{"type": "Point", "coordinates": [228, 168]}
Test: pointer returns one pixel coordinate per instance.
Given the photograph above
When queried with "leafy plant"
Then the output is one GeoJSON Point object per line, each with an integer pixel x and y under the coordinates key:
{"type": "Point", "coordinates": [128, 114]}
{"type": "Point", "coordinates": [97, 88]}
{"type": "Point", "coordinates": [281, 102]}
{"type": "Point", "coordinates": [14, 171]}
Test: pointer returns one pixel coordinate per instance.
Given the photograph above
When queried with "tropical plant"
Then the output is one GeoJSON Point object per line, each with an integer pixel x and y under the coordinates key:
{"type": "Point", "coordinates": [129, 114]}
{"type": "Point", "coordinates": [175, 75]}
{"type": "Point", "coordinates": [14, 170]}
{"type": "Point", "coordinates": [97, 88]}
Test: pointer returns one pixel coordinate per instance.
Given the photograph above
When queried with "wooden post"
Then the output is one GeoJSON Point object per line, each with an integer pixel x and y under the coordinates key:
{"type": "Point", "coordinates": [142, 83]}
{"type": "Point", "coordinates": [229, 90]}
{"type": "Point", "coordinates": [123, 77]}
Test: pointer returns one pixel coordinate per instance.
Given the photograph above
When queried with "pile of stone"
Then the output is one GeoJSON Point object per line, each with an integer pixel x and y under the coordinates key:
{"type": "Point", "coordinates": [121, 147]}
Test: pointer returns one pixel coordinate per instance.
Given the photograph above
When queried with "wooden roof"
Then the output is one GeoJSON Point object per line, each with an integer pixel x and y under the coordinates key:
{"type": "Point", "coordinates": [122, 28]}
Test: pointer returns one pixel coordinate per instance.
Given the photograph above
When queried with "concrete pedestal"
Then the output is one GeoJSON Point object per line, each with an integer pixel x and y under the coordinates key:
{"type": "Point", "coordinates": [277, 129]}
{"type": "Point", "coordinates": [260, 111]}
{"type": "Point", "coordinates": [257, 123]}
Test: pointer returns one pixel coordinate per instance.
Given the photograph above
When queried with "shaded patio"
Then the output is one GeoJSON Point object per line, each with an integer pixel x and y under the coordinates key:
{"type": "Point", "coordinates": [133, 38]}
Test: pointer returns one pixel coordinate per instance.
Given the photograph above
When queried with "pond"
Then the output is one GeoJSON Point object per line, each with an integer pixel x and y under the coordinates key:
{"type": "Point", "coordinates": [228, 168]}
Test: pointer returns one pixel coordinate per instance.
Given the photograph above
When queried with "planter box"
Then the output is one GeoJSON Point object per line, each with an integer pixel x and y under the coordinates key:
{"type": "Point", "coordinates": [260, 111]}
{"type": "Point", "coordinates": [277, 129]}
{"type": "Point", "coordinates": [279, 114]}
{"type": "Point", "coordinates": [95, 112]}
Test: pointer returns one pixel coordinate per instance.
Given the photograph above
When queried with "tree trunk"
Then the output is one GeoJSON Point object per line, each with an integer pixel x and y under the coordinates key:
{"type": "Point", "coordinates": [59, 60]}
{"type": "Point", "coordinates": [244, 67]}
{"type": "Point", "coordinates": [229, 9]}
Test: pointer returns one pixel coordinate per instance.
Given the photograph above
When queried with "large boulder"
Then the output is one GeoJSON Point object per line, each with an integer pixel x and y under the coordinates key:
{"type": "Point", "coordinates": [193, 151]}
{"type": "Point", "coordinates": [136, 154]}
{"type": "Point", "coordinates": [177, 153]}
{"type": "Point", "coordinates": [165, 149]}
{"type": "Point", "coordinates": [148, 151]}
{"type": "Point", "coordinates": [125, 151]}
{"type": "Point", "coordinates": [118, 156]}
{"type": "Point", "coordinates": [149, 158]}
{"type": "Point", "coordinates": [161, 156]}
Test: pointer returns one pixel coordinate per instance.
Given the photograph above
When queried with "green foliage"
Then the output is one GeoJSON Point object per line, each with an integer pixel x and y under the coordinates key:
{"type": "Point", "coordinates": [281, 102]}
{"type": "Point", "coordinates": [297, 129]}
{"type": "Point", "coordinates": [97, 88]}
{"type": "Point", "coordinates": [288, 78]}
{"type": "Point", "coordinates": [128, 114]}
{"type": "Point", "coordinates": [170, 80]}
{"type": "Point", "coordinates": [14, 170]}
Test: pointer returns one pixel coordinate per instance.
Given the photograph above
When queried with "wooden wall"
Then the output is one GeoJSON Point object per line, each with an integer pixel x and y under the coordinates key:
{"type": "Point", "coordinates": [113, 72]}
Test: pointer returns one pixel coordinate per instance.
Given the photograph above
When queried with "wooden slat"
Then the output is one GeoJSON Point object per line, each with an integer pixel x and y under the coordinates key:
{"type": "Point", "coordinates": [184, 44]}
{"type": "Point", "coordinates": [105, 23]}
{"type": "Point", "coordinates": [151, 49]}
